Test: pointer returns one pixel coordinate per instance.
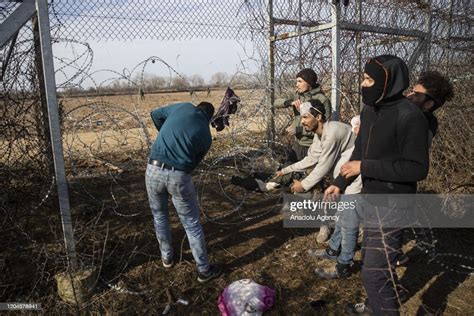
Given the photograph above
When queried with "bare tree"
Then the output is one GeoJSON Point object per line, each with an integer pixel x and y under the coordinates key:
{"type": "Point", "coordinates": [219, 79]}
{"type": "Point", "coordinates": [180, 82]}
{"type": "Point", "coordinates": [150, 82]}
{"type": "Point", "coordinates": [155, 83]}
{"type": "Point", "coordinates": [242, 80]}
{"type": "Point", "coordinates": [196, 80]}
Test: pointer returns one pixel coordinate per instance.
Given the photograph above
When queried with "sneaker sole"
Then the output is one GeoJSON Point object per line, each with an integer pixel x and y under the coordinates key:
{"type": "Point", "coordinates": [168, 266]}
{"type": "Point", "coordinates": [210, 278]}
{"type": "Point", "coordinates": [349, 311]}
{"type": "Point", "coordinates": [334, 259]}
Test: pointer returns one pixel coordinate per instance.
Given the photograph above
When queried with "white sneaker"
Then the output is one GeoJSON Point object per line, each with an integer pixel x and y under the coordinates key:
{"type": "Point", "coordinates": [265, 187]}
{"type": "Point", "coordinates": [323, 234]}
{"type": "Point", "coordinates": [272, 185]}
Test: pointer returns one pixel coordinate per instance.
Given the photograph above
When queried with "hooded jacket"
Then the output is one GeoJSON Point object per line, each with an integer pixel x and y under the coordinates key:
{"type": "Point", "coordinates": [303, 137]}
{"type": "Point", "coordinates": [392, 144]}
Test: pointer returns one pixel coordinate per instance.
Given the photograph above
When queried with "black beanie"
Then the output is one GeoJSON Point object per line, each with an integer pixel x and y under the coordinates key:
{"type": "Point", "coordinates": [309, 76]}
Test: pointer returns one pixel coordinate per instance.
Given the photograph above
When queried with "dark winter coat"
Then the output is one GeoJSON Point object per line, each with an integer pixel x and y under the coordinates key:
{"type": "Point", "coordinates": [392, 144]}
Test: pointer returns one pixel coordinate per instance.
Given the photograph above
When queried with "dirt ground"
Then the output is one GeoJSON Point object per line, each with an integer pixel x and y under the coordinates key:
{"type": "Point", "coordinates": [117, 237]}
{"type": "Point", "coordinates": [115, 234]}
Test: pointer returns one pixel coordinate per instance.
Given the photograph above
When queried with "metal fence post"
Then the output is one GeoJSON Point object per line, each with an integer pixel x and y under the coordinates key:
{"type": "Point", "coordinates": [300, 39]}
{"type": "Point", "coordinates": [55, 131]}
{"type": "Point", "coordinates": [450, 27]}
{"type": "Point", "coordinates": [359, 52]}
{"type": "Point", "coordinates": [271, 72]}
{"type": "Point", "coordinates": [429, 26]}
{"type": "Point", "coordinates": [335, 73]}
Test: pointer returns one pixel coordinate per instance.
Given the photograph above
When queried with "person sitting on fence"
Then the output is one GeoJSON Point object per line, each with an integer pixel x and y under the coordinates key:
{"type": "Point", "coordinates": [183, 140]}
{"type": "Point", "coordinates": [331, 147]}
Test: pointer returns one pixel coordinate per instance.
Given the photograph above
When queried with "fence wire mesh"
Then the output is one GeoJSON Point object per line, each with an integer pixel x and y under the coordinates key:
{"type": "Point", "coordinates": [107, 136]}
{"type": "Point", "coordinates": [449, 51]}
{"type": "Point", "coordinates": [144, 19]}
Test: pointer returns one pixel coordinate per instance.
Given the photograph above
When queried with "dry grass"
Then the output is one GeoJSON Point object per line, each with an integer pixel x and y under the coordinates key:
{"type": "Point", "coordinates": [115, 232]}
{"type": "Point", "coordinates": [259, 249]}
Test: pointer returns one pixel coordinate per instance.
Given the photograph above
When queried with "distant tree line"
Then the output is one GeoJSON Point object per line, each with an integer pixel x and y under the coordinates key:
{"type": "Point", "coordinates": [152, 83]}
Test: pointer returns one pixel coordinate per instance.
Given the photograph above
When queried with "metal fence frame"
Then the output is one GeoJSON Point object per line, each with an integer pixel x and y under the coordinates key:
{"type": "Point", "coordinates": [29, 8]}
{"type": "Point", "coordinates": [11, 26]}
{"type": "Point", "coordinates": [336, 25]}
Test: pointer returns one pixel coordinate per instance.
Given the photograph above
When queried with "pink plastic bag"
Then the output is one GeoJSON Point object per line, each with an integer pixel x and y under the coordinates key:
{"type": "Point", "coordinates": [245, 297]}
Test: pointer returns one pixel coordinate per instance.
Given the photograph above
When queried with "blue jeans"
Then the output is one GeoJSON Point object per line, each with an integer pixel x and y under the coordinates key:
{"type": "Point", "coordinates": [160, 183]}
{"type": "Point", "coordinates": [345, 234]}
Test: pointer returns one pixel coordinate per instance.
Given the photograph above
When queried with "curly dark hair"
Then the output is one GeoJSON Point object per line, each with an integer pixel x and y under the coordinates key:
{"type": "Point", "coordinates": [437, 86]}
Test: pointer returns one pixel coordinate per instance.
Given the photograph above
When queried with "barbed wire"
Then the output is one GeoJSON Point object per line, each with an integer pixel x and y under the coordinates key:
{"type": "Point", "coordinates": [106, 137]}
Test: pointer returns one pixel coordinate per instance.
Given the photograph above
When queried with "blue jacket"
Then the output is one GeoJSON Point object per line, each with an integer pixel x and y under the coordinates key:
{"type": "Point", "coordinates": [184, 136]}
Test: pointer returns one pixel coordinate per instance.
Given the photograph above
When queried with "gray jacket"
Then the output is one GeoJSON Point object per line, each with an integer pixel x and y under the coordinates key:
{"type": "Point", "coordinates": [326, 154]}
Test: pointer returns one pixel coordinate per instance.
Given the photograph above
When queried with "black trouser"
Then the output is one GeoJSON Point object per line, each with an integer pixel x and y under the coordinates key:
{"type": "Point", "coordinates": [382, 242]}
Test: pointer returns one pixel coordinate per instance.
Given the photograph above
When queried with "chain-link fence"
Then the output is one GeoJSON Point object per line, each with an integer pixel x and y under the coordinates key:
{"type": "Point", "coordinates": [144, 19]}
{"type": "Point", "coordinates": [73, 23]}
{"type": "Point", "coordinates": [435, 36]}
{"type": "Point", "coordinates": [106, 135]}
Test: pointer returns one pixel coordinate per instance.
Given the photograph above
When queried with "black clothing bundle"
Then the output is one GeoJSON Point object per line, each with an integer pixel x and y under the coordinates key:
{"type": "Point", "coordinates": [255, 182]}
{"type": "Point", "coordinates": [228, 106]}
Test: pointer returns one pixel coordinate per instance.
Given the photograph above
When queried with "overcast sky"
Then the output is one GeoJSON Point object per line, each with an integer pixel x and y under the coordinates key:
{"type": "Point", "coordinates": [200, 56]}
{"type": "Point", "coordinates": [100, 23]}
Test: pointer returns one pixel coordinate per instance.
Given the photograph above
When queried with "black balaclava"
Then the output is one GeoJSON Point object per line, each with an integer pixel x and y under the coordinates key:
{"type": "Point", "coordinates": [373, 95]}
